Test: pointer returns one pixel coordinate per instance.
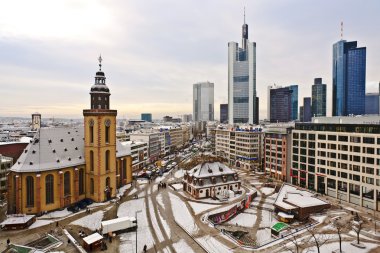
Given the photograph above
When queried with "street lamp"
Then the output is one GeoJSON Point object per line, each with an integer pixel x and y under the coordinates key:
{"type": "Point", "coordinates": [138, 211]}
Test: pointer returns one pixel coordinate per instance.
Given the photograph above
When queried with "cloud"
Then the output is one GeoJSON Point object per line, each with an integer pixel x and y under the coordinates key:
{"type": "Point", "coordinates": [154, 51]}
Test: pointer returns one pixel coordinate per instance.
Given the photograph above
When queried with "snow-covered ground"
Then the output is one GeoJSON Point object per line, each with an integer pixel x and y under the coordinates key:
{"type": "Point", "coordinates": [267, 219]}
{"type": "Point", "coordinates": [177, 186]}
{"type": "Point", "coordinates": [144, 237]}
{"type": "Point", "coordinates": [153, 219]}
{"type": "Point", "coordinates": [179, 173]}
{"type": "Point", "coordinates": [243, 220]}
{"type": "Point", "coordinates": [182, 246]}
{"type": "Point", "coordinates": [263, 236]}
{"type": "Point", "coordinates": [132, 192]}
{"type": "Point", "coordinates": [212, 244]}
{"type": "Point", "coordinates": [40, 223]}
{"type": "Point", "coordinates": [165, 225]}
{"type": "Point", "coordinates": [267, 190]}
{"type": "Point", "coordinates": [346, 247]}
{"type": "Point", "coordinates": [91, 221]}
{"type": "Point", "coordinates": [123, 189]}
{"type": "Point", "coordinates": [56, 214]}
{"type": "Point", "coordinates": [199, 207]}
{"type": "Point", "coordinates": [159, 200]}
{"type": "Point", "coordinates": [183, 217]}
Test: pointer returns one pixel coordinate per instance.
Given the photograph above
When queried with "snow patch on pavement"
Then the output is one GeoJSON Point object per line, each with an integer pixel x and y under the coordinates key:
{"type": "Point", "coordinates": [182, 246]}
{"type": "Point", "coordinates": [183, 217]}
{"type": "Point", "coordinates": [199, 207]}
{"type": "Point", "coordinates": [92, 221]}
{"type": "Point", "coordinates": [213, 245]}
{"type": "Point", "coordinates": [243, 220]}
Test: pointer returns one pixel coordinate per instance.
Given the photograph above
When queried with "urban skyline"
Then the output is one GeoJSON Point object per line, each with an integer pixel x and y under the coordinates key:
{"type": "Point", "coordinates": [58, 54]}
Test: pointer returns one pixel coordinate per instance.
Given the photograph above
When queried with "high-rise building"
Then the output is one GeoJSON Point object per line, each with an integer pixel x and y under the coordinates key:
{"type": "Point", "coordinates": [349, 70]}
{"type": "Point", "coordinates": [223, 113]}
{"type": "Point", "coordinates": [242, 80]}
{"type": "Point", "coordinates": [280, 104]}
{"type": "Point", "coordinates": [203, 101]}
{"type": "Point", "coordinates": [187, 117]}
{"type": "Point", "coordinates": [318, 98]}
{"type": "Point", "coordinates": [294, 99]}
{"type": "Point", "coordinates": [372, 103]}
{"type": "Point", "coordinates": [146, 117]}
{"type": "Point", "coordinates": [307, 109]}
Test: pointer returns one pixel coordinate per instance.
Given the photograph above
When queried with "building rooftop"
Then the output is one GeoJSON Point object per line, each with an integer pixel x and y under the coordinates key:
{"type": "Point", "coordinates": [210, 169]}
{"type": "Point", "coordinates": [359, 119]}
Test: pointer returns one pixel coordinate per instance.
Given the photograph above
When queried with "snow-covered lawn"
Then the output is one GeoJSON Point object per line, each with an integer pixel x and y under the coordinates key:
{"type": "Point", "coordinates": [267, 219]}
{"type": "Point", "coordinates": [199, 207]}
{"type": "Point", "coordinates": [213, 245]}
{"type": "Point", "coordinates": [144, 237]}
{"type": "Point", "coordinates": [267, 190]}
{"type": "Point", "coordinates": [243, 219]}
{"type": "Point", "coordinates": [91, 221]}
{"type": "Point", "coordinates": [153, 219]}
{"type": "Point", "coordinates": [263, 236]}
{"type": "Point", "coordinates": [182, 246]}
{"type": "Point", "coordinates": [182, 215]}
{"type": "Point", "coordinates": [319, 218]}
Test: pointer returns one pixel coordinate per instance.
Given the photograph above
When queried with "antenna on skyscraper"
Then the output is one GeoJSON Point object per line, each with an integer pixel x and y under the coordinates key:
{"type": "Point", "coordinates": [341, 30]}
{"type": "Point", "coordinates": [244, 14]}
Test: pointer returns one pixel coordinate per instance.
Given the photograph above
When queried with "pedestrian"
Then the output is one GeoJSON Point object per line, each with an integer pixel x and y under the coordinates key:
{"type": "Point", "coordinates": [145, 248]}
{"type": "Point", "coordinates": [8, 241]}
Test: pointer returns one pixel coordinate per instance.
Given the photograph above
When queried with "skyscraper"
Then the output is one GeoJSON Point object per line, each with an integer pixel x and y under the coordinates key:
{"type": "Point", "coordinates": [203, 101]}
{"type": "Point", "coordinates": [318, 98]}
{"type": "Point", "coordinates": [307, 109]}
{"type": "Point", "coordinates": [280, 104]}
{"type": "Point", "coordinates": [146, 117]}
{"type": "Point", "coordinates": [349, 68]}
{"type": "Point", "coordinates": [242, 106]}
{"type": "Point", "coordinates": [223, 113]}
{"type": "Point", "coordinates": [294, 98]}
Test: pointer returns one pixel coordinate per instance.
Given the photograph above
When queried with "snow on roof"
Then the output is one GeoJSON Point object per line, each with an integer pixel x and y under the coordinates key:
{"type": "Point", "coordinates": [117, 220]}
{"type": "Point", "coordinates": [56, 148]}
{"type": "Point", "coordinates": [285, 215]}
{"type": "Point", "coordinates": [291, 197]}
{"type": "Point", "coordinates": [210, 169]}
{"type": "Point", "coordinates": [17, 219]}
{"type": "Point", "coordinates": [52, 148]}
{"type": "Point", "coordinates": [92, 238]}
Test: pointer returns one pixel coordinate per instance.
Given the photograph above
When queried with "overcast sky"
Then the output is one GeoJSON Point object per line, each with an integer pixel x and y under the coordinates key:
{"type": "Point", "coordinates": [153, 51]}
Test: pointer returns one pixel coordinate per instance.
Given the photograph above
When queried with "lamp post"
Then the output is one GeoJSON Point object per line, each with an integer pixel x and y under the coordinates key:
{"type": "Point", "coordinates": [138, 211]}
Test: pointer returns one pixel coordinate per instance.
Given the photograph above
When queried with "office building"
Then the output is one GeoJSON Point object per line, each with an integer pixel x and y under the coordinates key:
{"type": "Point", "coordinates": [242, 147]}
{"type": "Point", "coordinates": [203, 101]}
{"type": "Point", "coordinates": [339, 156]}
{"type": "Point", "coordinates": [242, 81]}
{"type": "Point", "coordinates": [318, 98]}
{"type": "Point", "coordinates": [223, 113]}
{"type": "Point", "coordinates": [280, 104]}
{"type": "Point", "coordinates": [372, 103]}
{"type": "Point", "coordinates": [306, 109]}
{"type": "Point", "coordinates": [294, 101]}
{"type": "Point", "coordinates": [349, 71]}
{"type": "Point", "coordinates": [146, 117]}
{"type": "Point", "coordinates": [5, 165]}
{"type": "Point", "coordinates": [187, 118]}
{"type": "Point", "coordinates": [277, 152]}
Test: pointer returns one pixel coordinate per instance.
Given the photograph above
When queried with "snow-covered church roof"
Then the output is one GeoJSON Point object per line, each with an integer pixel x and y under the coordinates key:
{"type": "Point", "coordinates": [210, 169]}
{"type": "Point", "coordinates": [56, 148]}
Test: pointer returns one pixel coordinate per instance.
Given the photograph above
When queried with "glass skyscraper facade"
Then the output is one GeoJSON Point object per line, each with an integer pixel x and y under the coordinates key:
{"type": "Point", "coordinates": [318, 98]}
{"type": "Point", "coordinates": [307, 109]}
{"type": "Point", "coordinates": [280, 105]}
{"type": "Point", "coordinates": [242, 107]}
{"type": "Point", "coordinates": [203, 101]}
{"type": "Point", "coordinates": [349, 69]}
{"type": "Point", "coordinates": [294, 89]}
{"type": "Point", "coordinates": [223, 113]}
{"type": "Point", "coordinates": [146, 117]}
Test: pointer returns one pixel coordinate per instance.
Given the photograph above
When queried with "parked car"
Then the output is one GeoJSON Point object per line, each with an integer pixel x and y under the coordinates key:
{"type": "Point", "coordinates": [82, 204]}
{"type": "Point", "coordinates": [88, 201]}
{"type": "Point", "coordinates": [73, 208]}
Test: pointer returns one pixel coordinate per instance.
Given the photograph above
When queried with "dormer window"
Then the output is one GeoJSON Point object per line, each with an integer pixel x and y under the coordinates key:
{"type": "Point", "coordinates": [30, 163]}
{"type": "Point", "coordinates": [61, 140]}
{"type": "Point", "coordinates": [53, 150]}
{"type": "Point", "coordinates": [58, 161]}
{"type": "Point", "coordinates": [65, 149]}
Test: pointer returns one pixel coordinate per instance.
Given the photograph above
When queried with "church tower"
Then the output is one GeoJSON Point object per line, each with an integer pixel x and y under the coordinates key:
{"type": "Point", "coordinates": [100, 141]}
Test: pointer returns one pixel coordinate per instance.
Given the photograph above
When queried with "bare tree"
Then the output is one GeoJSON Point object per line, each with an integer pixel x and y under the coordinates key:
{"type": "Point", "coordinates": [340, 226]}
{"type": "Point", "coordinates": [318, 239]}
{"type": "Point", "coordinates": [294, 239]}
{"type": "Point", "coordinates": [357, 225]}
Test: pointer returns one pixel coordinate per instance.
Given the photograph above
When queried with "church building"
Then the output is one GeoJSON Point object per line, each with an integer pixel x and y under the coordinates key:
{"type": "Point", "coordinates": [62, 166]}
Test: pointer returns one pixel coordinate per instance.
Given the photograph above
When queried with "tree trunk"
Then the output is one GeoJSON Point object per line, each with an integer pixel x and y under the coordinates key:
{"type": "Point", "coordinates": [340, 243]}
{"type": "Point", "coordinates": [357, 236]}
